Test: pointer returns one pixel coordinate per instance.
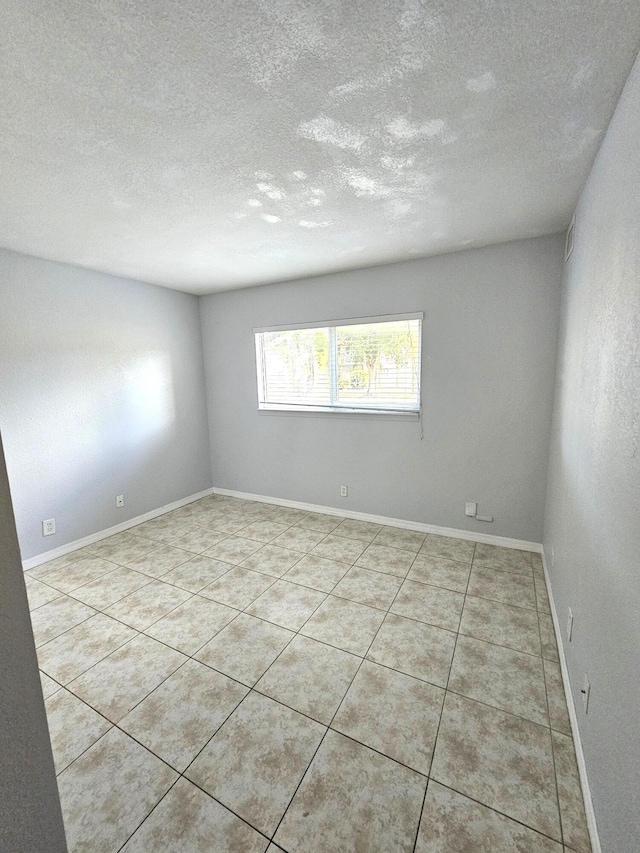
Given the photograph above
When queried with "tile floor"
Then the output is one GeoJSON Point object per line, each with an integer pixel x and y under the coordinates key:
{"type": "Point", "coordinates": [238, 676]}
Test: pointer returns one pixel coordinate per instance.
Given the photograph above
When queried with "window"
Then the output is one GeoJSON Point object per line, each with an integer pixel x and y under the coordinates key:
{"type": "Point", "coordinates": [370, 364]}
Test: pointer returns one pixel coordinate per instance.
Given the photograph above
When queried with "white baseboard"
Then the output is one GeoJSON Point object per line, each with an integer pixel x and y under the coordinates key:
{"type": "Point", "coordinates": [573, 717]}
{"type": "Point", "coordinates": [485, 538]}
{"type": "Point", "coordinates": [32, 562]}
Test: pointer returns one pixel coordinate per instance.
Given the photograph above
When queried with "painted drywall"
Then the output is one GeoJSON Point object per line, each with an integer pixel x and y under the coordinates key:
{"type": "Point", "coordinates": [101, 394]}
{"type": "Point", "coordinates": [592, 525]}
{"type": "Point", "coordinates": [489, 343]}
{"type": "Point", "coordinates": [30, 816]}
{"type": "Point", "coordinates": [207, 145]}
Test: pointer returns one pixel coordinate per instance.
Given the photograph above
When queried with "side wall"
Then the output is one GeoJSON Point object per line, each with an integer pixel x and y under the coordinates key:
{"type": "Point", "coordinates": [30, 816]}
{"type": "Point", "coordinates": [101, 394]}
{"type": "Point", "coordinates": [489, 346]}
{"type": "Point", "coordinates": [592, 528]}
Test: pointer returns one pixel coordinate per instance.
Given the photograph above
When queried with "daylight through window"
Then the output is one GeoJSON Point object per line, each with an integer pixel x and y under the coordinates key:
{"type": "Point", "coordinates": [364, 365]}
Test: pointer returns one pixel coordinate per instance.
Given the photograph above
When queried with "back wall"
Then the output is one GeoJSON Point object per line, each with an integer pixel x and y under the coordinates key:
{"type": "Point", "coordinates": [489, 345]}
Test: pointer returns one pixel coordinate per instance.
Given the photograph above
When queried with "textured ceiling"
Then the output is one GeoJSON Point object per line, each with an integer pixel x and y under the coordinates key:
{"type": "Point", "coordinates": [211, 144]}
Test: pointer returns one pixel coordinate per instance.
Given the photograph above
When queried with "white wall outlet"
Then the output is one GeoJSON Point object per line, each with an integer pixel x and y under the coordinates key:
{"type": "Point", "coordinates": [586, 692]}
{"type": "Point", "coordinates": [344, 491]}
{"type": "Point", "coordinates": [49, 527]}
{"type": "Point", "coordinates": [471, 509]}
{"type": "Point", "coordinates": [119, 500]}
{"type": "Point", "coordinates": [569, 624]}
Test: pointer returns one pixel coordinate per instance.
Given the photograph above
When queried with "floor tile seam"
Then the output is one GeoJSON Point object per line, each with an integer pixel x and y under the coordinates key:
{"type": "Point", "coordinates": [497, 708]}
{"type": "Point", "coordinates": [295, 630]}
{"type": "Point", "coordinates": [95, 662]}
{"type": "Point", "coordinates": [495, 568]}
{"type": "Point", "coordinates": [171, 787]}
{"type": "Point", "coordinates": [357, 601]}
{"type": "Point", "coordinates": [467, 563]}
{"type": "Point", "coordinates": [397, 761]}
{"type": "Point", "coordinates": [111, 603]}
{"type": "Point", "coordinates": [44, 604]}
{"type": "Point", "coordinates": [381, 571]}
{"type": "Point", "coordinates": [498, 601]}
{"type": "Point", "coordinates": [553, 752]}
{"type": "Point", "coordinates": [162, 578]}
{"type": "Point", "coordinates": [423, 622]}
{"type": "Point", "coordinates": [495, 810]}
{"type": "Point", "coordinates": [95, 711]}
{"type": "Point", "coordinates": [405, 673]}
{"type": "Point", "coordinates": [84, 583]}
{"type": "Point", "coordinates": [70, 628]}
{"type": "Point", "coordinates": [273, 580]}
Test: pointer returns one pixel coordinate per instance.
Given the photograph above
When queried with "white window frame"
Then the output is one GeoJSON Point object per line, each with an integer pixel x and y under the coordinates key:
{"type": "Point", "coordinates": [333, 408]}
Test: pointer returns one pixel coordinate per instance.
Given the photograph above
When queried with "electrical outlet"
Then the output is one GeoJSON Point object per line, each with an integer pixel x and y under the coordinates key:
{"type": "Point", "coordinates": [49, 527]}
{"type": "Point", "coordinates": [471, 509]}
{"type": "Point", "coordinates": [569, 624]}
{"type": "Point", "coordinates": [344, 491]}
{"type": "Point", "coordinates": [586, 692]}
{"type": "Point", "coordinates": [119, 500]}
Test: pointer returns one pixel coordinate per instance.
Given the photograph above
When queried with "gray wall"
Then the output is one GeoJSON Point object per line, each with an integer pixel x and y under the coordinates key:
{"type": "Point", "coordinates": [489, 345]}
{"type": "Point", "coordinates": [101, 394]}
{"type": "Point", "coordinates": [30, 816]}
{"type": "Point", "coordinates": [593, 505]}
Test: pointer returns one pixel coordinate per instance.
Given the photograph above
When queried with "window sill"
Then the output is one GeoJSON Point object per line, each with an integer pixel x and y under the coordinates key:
{"type": "Point", "coordinates": [340, 413]}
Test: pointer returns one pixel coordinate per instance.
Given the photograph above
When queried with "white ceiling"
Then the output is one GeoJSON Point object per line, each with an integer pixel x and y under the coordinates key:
{"type": "Point", "coordinates": [211, 144]}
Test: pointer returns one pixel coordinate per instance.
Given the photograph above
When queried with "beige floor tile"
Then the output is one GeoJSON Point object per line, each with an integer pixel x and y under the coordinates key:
{"type": "Point", "coordinates": [67, 578]}
{"type": "Point", "coordinates": [344, 624]}
{"type": "Point", "coordinates": [272, 560]}
{"type": "Point", "coordinates": [366, 587]}
{"type": "Point", "coordinates": [245, 649]}
{"type": "Point", "coordinates": [558, 713]}
{"type": "Point", "coordinates": [317, 572]}
{"type": "Point", "coordinates": [49, 686]}
{"type": "Point", "coordinates": [73, 652]}
{"type": "Point", "coordinates": [365, 531]}
{"type": "Point", "coordinates": [39, 593]}
{"type": "Point", "coordinates": [43, 569]}
{"type": "Point", "coordinates": [188, 821]}
{"type": "Point", "coordinates": [506, 559]}
{"type": "Point", "coordinates": [538, 566]}
{"type": "Point", "coordinates": [503, 624]}
{"type": "Point", "coordinates": [438, 571]}
{"type": "Point", "coordinates": [122, 548]}
{"type": "Point", "coordinates": [392, 713]}
{"type": "Point", "coordinates": [504, 678]}
{"type": "Point", "coordinates": [161, 560]}
{"type": "Point", "coordinates": [111, 587]}
{"type": "Point", "coordinates": [572, 814]}
{"type": "Point", "coordinates": [199, 540]}
{"type": "Point", "coordinates": [108, 791]}
{"type": "Point", "coordinates": [502, 761]}
{"type": "Point", "coordinates": [257, 759]}
{"type": "Point", "coordinates": [286, 514]}
{"type": "Point", "coordinates": [192, 624]}
{"type": "Point", "coordinates": [391, 561]}
{"type": "Point", "coordinates": [53, 619]}
{"type": "Point", "coordinates": [233, 549]}
{"type": "Point", "coordinates": [73, 727]}
{"type": "Point", "coordinates": [310, 677]}
{"type": "Point", "coordinates": [542, 597]}
{"type": "Point", "coordinates": [117, 683]}
{"type": "Point", "coordinates": [379, 817]}
{"type": "Point", "coordinates": [287, 604]}
{"type": "Point", "coordinates": [414, 648]}
{"type": "Point", "coordinates": [452, 823]}
{"type": "Point", "coordinates": [196, 573]}
{"type": "Point", "coordinates": [320, 521]}
{"type": "Point", "coordinates": [397, 537]}
{"type": "Point", "coordinates": [178, 718]}
{"type": "Point", "coordinates": [339, 548]}
{"type": "Point", "coordinates": [263, 531]}
{"type": "Point", "coordinates": [298, 539]}
{"type": "Point", "coordinates": [238, 588]}
{"type": "Point", "coordinates": [548, 637]}
{"type": "Point", "coordinates": [145, 606]}
{"type": "Point", "coordinates": [502, 586]}
{"type": "Point", "coordinates": [221, 522]}
{"type": "Point", "coordinates": [460, 550]}
{"type": "Point", "coordinates": [165, 527]}
{"type": "Point", "coordinates": [432, 604]}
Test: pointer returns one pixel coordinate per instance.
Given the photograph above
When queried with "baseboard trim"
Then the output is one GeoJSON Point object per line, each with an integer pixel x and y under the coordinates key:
{"type": "Point", "coordinates": [573, 717]}
{"type": "Point", "coordinates": [32, 562]}
{"type": "Point", "coordinates": [484, 538]}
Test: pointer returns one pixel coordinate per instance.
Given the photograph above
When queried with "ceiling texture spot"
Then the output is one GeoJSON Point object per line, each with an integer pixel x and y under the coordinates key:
{"type": "Point", "coordinates": [146, 140]}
